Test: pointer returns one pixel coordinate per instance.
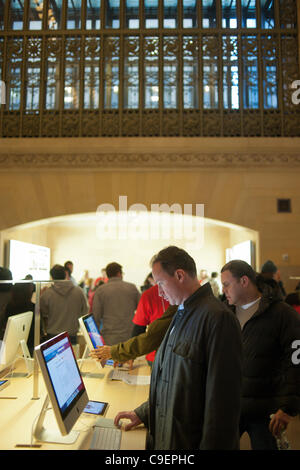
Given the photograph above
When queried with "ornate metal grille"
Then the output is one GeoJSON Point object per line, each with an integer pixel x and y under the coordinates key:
{"type": "Point", "coordinates": [148, 68]}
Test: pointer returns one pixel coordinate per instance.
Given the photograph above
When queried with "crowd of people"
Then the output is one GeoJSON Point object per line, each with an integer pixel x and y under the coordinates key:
{"type": "Point", "coordinates": [228, 343]}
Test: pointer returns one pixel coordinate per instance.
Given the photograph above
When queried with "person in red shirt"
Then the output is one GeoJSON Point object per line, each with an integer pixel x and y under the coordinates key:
{"type": "Point", "coordinates": [98, 282]}
{"type": "Point", "coordinates": [151, 306]}
{"type": "Point", "coordinates": [293, 299]}
{"type": "Point", "coordinates": [297, 308]}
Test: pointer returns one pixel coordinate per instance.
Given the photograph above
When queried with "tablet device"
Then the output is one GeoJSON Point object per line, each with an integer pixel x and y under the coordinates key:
{"type": "Point", "coordinates": [91, 333]}
{"type": "Point", "coordinates": [3, 384]}
{"type": "Point", "coordinates": [96, 407]}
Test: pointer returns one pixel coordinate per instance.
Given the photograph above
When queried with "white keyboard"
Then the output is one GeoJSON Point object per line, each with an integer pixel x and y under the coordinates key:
{"type": "Point", "coordinates": [106, 439]}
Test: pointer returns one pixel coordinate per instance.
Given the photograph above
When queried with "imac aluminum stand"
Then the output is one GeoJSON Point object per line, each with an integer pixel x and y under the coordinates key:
{"type": "Point", "coordinates": [28, 361]}
{"type": "Point", "coordinates": [45, 435]}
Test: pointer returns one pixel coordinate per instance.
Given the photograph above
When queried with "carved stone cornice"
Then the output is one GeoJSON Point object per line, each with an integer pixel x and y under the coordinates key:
{"type": "Point", "coordinates": [129, 161]}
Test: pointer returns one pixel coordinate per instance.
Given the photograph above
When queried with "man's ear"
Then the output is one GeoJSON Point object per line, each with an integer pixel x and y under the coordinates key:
{"type": "Point", "coordinates": [244, 281]}
{"type": "Point", "coordinates": [180, 274]}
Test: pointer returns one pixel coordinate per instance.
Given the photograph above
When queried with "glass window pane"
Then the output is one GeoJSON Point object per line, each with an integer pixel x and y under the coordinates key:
{"type": "Point", "coordinates": [55, 14]}
{"type": "Point", "coordinates": [14, 73]}
{"type": "Point", "coordinates": [112, 13]}
{"type": "Point", "coordinates": [288, 14]}
{"type": "Point", "coordinates": [15, 87]}
{"type": "Point", "coordinates": [132, 14]}
{"type": "Point", "coordinates": [91, 87]}
{"type": "Point", "coordinates": [269, 71]}
{"type": "Point", "coordinates": [151, 13]}
{"type": "Point", "coordinates": [267, 14]}
{"type": "Point", "coordinates": [93, 14]}
{"type": "Point", "coordinates": [33, 70]}
{"type": "Point", "coordinates": [250, 72]}
{"type": "Point", "coordinates": [33, 88]}
{"type": "Point", "coordinates": [210, 72]}
{"type": "Point", "coordinates": [53, 50]}
{"type": "Point", "coordinates": [35, 15]}
{"type": "Point", "coordinates": [190, 19]}
{"type": "Point", "coordinates": [151, 72]}
{"type": "Point", "coordinates": [1, 63]}
{"type": "Point", "coordinates": [91, 73]}
{"type": "Point", "coordinates": [229, 14]}
{"type": "Point", "coordinates": [171, 73]}
{"type": "Point", "coordinates": [16, 12]}
{"type": "Point", "coordinates": [230, 73]}
{"type": "Point", "coordinates": [71, 84]}
{"type": "Point", "coordinates": [111, 72]}
{"type": "Point", "coordinates": [73, 14]}
{"type": "Point", "coordinates": [170, 13]}
{"type": "Point", "coordinates": [52, 99]}
{"type": "Point", "coordinates": [1, 14]}
{"type": "Point", "coordinates": [2, 83]}
{"type": "Point", "coordinates": [131, 73]}
{"type": "Point", "coordinates": [248, 13]}
{"type": "Point", "coordinates": [190, 73]}
{"type": "Point", "coordinates": [209, 14]}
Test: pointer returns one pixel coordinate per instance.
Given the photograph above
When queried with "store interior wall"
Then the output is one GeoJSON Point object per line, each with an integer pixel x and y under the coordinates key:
{"type": "Point", "coordinates": [239, 181]}
{"type": "Point", "coordinates": [77, 238]}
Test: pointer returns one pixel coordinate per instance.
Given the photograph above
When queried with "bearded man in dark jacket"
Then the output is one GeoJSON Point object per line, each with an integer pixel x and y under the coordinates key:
{"type": "Point", "coordinates": [270, 332]}
{"type": "Point", "coordinates": [195, 389]}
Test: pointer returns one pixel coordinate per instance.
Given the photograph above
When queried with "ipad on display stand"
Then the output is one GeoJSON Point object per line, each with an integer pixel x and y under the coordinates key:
{"type": "Point", "coordinates": [93, 338]}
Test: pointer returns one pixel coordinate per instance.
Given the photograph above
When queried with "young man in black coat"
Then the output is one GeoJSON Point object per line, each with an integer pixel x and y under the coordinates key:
{"type": "Point", "coordinates": [271, 375]}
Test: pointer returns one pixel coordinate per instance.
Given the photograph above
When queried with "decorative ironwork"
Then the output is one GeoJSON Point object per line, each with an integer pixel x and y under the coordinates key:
{"type": "Point", "coordinates": [161, 161]}
{"type": "Point", "coordinates": [139, 68]}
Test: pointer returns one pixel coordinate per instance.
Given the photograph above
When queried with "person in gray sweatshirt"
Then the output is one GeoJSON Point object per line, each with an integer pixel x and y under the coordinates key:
{"type": "Point", "coordinates": [61, 305]}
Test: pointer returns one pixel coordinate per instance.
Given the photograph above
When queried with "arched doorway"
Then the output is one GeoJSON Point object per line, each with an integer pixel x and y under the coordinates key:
{"type": "Point", "coordinates": [131, 238]}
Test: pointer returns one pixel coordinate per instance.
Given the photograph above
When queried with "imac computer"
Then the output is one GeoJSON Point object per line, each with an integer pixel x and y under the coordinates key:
{"type": "Point", "coordinates": [16, 335]}
{"type": "Point", "coordinates": [65, 389]}
{"type": "Point", "coordinates": [91, 333]}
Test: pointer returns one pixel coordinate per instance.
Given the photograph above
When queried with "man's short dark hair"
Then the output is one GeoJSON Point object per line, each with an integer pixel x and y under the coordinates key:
{"type": "Point", "coordinates": [113, 269]}
{"type": "Point", "coordinates": [58, 272]}
{"type": "Point", "coordinates": [269, 267]}
{"type": "Point", "coordinates": [172, 258]}
{"type": "Point", "coordinates": [67, 263]}
{"type": "Point", "coordinates": [68, 270]}
{"type": "Point", "coordinates": [240, 268]}
{"type": "Point", "coordinates": [5, 275]}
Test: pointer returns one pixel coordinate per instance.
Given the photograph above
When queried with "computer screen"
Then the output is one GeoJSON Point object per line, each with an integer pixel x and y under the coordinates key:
{"type": "Point", "coordinates": [244, 251]}
{"type": "Point", "coordinates": [17, 329]}
{"type": "Point", "coordinates": [28, 258]}
{"type": "Point", "coordinates": [90, 331]}
{"type": "Point", "coordinates": [63, 380]}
